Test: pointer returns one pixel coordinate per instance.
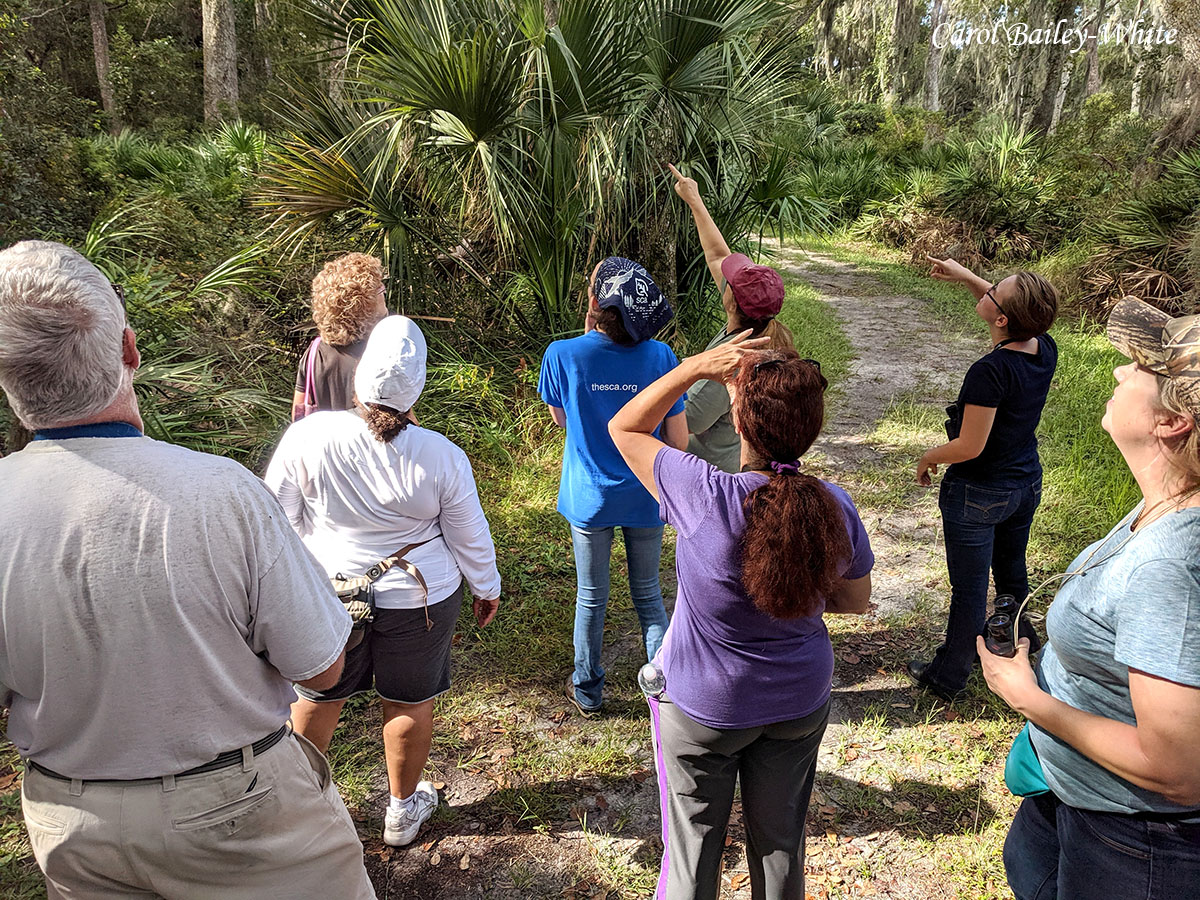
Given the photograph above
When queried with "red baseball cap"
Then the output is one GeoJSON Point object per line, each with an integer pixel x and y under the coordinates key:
{"type": "Point", "coordinates": [757, 290]}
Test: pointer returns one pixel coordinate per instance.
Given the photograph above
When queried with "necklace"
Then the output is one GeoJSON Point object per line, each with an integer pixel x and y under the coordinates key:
{"type": "Point", "coordinates": [1180, 499]}
{"type": "Point", "coordinates": [1142, 518]}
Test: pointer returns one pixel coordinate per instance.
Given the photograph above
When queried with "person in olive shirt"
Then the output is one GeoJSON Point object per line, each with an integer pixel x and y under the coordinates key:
{"type": "Point", "coordinates": [752, 296]}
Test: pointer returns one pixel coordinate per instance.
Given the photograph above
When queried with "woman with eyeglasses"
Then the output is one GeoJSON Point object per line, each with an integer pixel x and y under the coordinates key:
{"type": "Point", "coordinates": [1112, 781]}
{"type": "Point", "coordinates": [744, 675]}
{"type": "Point", "coordinates": [993, 480]}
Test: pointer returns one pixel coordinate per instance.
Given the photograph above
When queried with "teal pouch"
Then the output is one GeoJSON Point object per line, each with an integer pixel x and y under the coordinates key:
{"type": "Point", "coordinates": [1023, 774]}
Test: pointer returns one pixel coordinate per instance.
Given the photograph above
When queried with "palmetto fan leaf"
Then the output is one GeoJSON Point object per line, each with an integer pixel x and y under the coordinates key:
{"type": "Point", "coordinates": [535, 127]}
{"type": "Point", "coordinates": [581, 68]}
{"type": "Point", "coordinates": [459, 64]}
{"type": "Point", "coordinates": [341, 168]}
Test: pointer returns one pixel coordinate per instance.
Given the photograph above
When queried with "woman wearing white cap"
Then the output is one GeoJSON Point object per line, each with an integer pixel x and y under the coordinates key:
{"type": "Point", "coordinates": [359, 486]}
{"type": "Point", "coordinates": [1108, 764]}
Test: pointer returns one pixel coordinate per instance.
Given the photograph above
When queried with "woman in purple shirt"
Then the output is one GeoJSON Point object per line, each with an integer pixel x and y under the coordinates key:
{"type": "Point", "coordinates": [747, 660]}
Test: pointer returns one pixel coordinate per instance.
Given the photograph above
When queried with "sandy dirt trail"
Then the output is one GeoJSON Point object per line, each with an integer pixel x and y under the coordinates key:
{"type": "Point", "coordinates": [900, 350]}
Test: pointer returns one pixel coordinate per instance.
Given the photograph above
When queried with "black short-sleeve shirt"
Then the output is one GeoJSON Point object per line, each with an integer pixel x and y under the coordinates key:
{"type": "Point", "coordinates": [1015, 384]}
{"type": "Point", "coordinates": [333, 374]}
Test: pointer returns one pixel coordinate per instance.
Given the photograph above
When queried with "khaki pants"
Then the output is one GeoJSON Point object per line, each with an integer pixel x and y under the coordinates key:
{"type": "Point", "coordinates": [272, 827]}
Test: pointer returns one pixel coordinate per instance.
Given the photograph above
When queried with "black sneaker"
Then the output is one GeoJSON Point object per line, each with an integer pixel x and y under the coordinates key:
{"type": "Point", "coordinates": [587, 713]}
{"type": "Point", "coordinates": [917, 671]}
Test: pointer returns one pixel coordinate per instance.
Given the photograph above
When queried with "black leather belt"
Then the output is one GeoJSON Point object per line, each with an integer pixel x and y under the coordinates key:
{"type": "Point", "coordinates": [224, 761]}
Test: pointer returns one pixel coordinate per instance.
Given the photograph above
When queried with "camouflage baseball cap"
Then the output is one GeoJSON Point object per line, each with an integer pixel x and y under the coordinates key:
{"type": "Point", "coordinates": [1165, 345]}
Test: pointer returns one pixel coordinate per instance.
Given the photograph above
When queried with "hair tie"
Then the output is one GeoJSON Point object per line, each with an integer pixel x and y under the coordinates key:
{"type": "Point", "coordinates": [784, 468]}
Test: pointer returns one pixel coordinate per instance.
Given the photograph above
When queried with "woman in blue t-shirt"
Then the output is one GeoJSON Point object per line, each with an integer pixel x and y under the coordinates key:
{"type": "Point", "coordinates": [994, 481]}
{"type": "Point", "coordinates": [761, 555]}
{"type": "Point", "coordinates": [584, 381]}
{"type": "Point", "coordinates": [1112, 779]}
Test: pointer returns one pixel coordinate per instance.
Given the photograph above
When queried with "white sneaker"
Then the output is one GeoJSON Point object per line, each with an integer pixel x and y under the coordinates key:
{"type": "Point", "coordinates": [400, 827]}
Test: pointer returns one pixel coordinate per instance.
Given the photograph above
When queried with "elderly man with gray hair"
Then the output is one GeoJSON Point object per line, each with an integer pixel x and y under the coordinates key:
{"type": "Point", "coordinates": [155, 610]}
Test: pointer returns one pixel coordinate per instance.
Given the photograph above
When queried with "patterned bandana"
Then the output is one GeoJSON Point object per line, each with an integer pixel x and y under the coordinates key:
{"type": "Point", "coordinates": [628, 286]}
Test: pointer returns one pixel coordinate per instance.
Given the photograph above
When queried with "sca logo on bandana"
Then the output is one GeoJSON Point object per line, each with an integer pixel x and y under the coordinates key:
{"type": "Point", "coordinates": [638, 296]}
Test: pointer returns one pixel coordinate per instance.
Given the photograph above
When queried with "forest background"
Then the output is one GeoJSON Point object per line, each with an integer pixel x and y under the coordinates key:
{"type": "Point", "coordinates": [210, 156]}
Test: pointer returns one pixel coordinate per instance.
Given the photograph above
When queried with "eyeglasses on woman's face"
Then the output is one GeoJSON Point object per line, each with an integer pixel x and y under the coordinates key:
{"type": "Point", "coordinates": [990, 293]}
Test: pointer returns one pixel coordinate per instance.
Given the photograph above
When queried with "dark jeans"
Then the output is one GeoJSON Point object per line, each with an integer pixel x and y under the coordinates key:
{"type": "Point", "coordinates": [1057, 852]}
{"type": "Point", "coordinates": [985, 526]}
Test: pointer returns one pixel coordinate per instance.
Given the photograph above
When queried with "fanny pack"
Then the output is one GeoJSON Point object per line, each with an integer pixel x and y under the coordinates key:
{"type": "Point", "coordinates": [1023, 775]}
{"type": "Point", "coordinates": [357, 592]}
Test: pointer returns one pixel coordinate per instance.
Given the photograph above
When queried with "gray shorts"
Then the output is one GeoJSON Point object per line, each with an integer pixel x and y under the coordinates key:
{"type": "Point", "coordinates": [399, 657]}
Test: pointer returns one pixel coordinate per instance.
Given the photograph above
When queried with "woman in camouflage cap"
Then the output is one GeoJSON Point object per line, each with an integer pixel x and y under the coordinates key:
{"type": "Point", "coordinates": [1114, 703]}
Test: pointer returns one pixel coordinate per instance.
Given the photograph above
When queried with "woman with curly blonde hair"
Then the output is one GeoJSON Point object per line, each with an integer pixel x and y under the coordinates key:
{"type": "Point", "coordinates": [348, 298]}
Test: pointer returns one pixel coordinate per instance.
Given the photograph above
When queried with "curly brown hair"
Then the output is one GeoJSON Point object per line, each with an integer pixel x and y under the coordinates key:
{"type": "Point", "coordinates": [384, 422]}
{"type": "Point", "coordinates": [795, 541]}
{"type": "Point", "coordinates": [345, 297]}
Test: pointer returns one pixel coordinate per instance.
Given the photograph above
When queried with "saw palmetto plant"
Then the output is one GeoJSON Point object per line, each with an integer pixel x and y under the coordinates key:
{"type": "Point", "coordinates": [524, 141]}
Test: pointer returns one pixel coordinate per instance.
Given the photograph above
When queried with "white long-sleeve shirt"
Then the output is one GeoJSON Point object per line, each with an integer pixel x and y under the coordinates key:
{"type": "Point", "coordinates": [355, 500]}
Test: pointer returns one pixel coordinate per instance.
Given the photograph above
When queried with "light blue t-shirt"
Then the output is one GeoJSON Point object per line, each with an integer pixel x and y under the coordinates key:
{"type": "Point", "coordinates": [1138, 609]}
{"type": "Point", "coordinates": [591, 377]}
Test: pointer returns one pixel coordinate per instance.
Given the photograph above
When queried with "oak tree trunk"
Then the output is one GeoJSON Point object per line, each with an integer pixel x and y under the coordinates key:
{"type": "Point", "coordinates": [262, 27]}
{"type": "Point", "coordinates": [933, 62]}
{"type": "Point", "coordinates": [1061, 94]}
{"type": "Point", "coordinates": [220, 60]}
{"type": "Point", "coordinates": [1043, 113]}
{"type": "Point", "coordinates": [1139, 75]}
{"type": "Point", "coordinates": [904, 31]}
{"type": "Point", "coordinates": [96, 10]}
{"type": "Point", "coordinates": [1093, 52]}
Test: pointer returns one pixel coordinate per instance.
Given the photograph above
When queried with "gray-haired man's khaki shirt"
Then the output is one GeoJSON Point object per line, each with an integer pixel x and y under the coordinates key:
{"type": "Point", "coordinates": [155, 606]}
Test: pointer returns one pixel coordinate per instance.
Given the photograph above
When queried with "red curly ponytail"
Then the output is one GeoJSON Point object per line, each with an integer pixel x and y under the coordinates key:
{"type": "Point", "coordinates": [795, 541]}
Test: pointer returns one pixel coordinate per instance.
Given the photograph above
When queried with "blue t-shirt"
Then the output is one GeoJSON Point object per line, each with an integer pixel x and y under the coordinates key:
{"type": "Point", "coordinates": [1014, 384]}
{"type": "Point", "coordinates": [1135, 605]}
{"type": "Point", "coordinates": [728, 664]}
{"type": "Point", "coordinates": [591, 377]}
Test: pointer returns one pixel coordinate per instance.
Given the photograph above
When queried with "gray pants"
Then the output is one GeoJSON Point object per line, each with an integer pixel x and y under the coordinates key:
{"type": "Point", "coordinates": [698, 767]}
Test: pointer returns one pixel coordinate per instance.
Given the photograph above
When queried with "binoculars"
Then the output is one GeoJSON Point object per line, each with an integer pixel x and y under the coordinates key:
{"type": "Point", "coordinates": [1000, 632]}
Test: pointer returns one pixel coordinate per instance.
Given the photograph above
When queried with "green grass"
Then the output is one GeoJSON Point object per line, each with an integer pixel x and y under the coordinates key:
{"type": "Point", "coordinates": [816, 330]}
{"type": "Point", "coordinates": [934, 785]}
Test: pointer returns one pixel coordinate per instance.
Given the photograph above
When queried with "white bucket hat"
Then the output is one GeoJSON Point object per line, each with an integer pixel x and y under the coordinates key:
{"type": "Point", "coordinates": [392, 369]}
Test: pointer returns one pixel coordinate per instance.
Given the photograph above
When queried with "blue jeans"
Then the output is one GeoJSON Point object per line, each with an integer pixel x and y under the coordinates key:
{"type": "Point", "coordinates": [1057, 852]}
{"type": "Point", "coordinates": [593, 548]}
{"type": "Point", "coordinates": [986, 527]}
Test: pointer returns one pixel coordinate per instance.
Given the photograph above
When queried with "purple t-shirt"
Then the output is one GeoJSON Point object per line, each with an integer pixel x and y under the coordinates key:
{"type": "Point", "coordinates": [727, 664]}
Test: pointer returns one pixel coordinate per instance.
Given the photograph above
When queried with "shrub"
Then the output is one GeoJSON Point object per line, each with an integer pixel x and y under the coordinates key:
{"type": "Point", "coordinates": [1147, 247]}
{"type": "Point", "coordinates": [859, 119]}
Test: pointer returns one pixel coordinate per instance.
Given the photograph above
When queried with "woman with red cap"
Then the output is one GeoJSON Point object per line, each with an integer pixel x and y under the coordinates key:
{"type": "Point", "coordinates": [752, 296]}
